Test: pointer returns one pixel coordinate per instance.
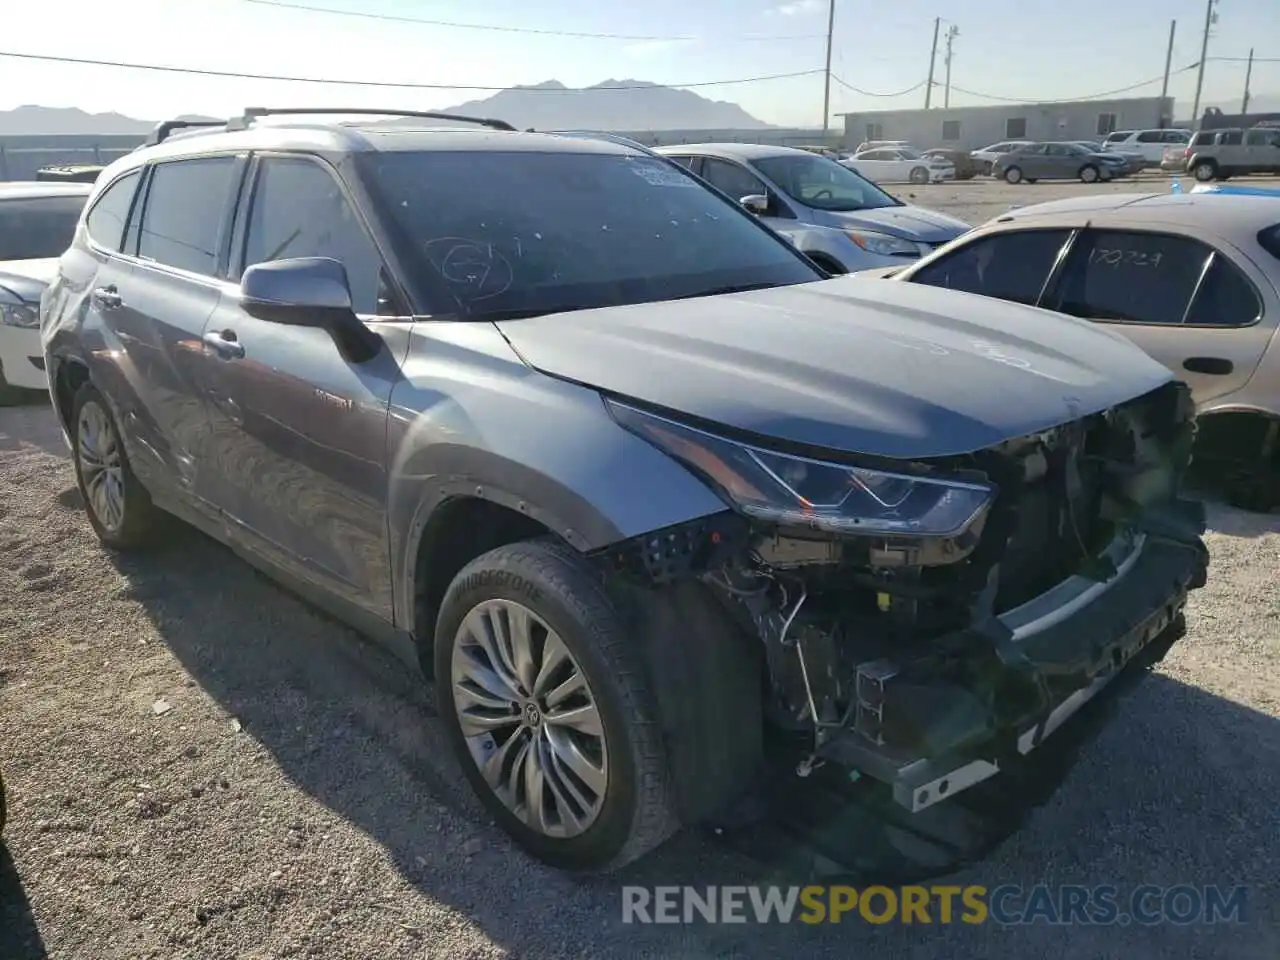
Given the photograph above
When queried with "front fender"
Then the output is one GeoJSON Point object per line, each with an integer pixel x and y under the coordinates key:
{"type": "Point", "coordinates": [471, 419]}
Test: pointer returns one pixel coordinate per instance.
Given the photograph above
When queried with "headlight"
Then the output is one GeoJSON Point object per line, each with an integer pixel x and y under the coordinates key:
{"type": "Point", "coordinates": [796, 491]}
{"type": "Point", "coordinates": [881, 244]}
{"type": "Point", "coordinates": [13, 314]}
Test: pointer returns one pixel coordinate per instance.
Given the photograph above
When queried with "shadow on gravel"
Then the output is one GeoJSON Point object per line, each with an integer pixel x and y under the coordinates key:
{"type": "Point", "coordinates": [1177, 787]}
{"type": "Point", "coordinates": [19, 937]}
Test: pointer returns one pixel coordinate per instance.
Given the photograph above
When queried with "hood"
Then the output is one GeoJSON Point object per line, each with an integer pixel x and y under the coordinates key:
{"type": "Point", "coordinates": [885, 369]}
{"type": "Point", "coordinates": [26, 279]}
{"type": "Point", "coordinates": [905, 223]}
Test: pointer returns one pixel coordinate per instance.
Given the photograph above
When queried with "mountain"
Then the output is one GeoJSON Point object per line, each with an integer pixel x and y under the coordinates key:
{"type": "Point", "coordinates": [611, 105]}
{"type": "Point", "coordinates": [32, 119]}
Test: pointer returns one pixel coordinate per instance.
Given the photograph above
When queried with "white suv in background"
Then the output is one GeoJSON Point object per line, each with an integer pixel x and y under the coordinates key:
{"type": "Point", "coordinates": [1150, 144]}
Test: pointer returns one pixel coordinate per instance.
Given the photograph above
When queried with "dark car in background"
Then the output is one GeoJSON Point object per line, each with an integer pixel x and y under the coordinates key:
{"type": "Point", "coordinates": [72, 173]}
{"type": "Point", "coordinates": [966, 166]}
{"type": "Point", "coordinates": [631, 478]}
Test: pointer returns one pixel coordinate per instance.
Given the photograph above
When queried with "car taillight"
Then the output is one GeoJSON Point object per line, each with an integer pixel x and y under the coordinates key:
{"type": "Point", "coordinates": [1186, 153]}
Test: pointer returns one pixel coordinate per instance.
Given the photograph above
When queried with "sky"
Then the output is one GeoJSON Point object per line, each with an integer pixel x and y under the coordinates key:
{"type": "Point", "coordinates": [1027, 50]}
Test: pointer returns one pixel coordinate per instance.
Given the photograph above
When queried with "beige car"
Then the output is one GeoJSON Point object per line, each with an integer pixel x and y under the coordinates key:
{"type": "Point", "coordinates": [1194, 279]}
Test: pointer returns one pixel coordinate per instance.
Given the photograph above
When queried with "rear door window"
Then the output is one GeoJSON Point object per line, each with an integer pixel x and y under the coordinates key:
{"type": "Point", "coordinates": [1130, 277]}
{"type": "Point", "coordinates": [1225, 298]}
{"type": "Point", "coordinates": [185, 208]}
{"type": "Point", "coordinates": [106, 221]}
{"type": "Point", "coordinates": [1010, 266]}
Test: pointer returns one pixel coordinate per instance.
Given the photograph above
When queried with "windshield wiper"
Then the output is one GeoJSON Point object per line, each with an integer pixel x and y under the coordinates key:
{"type": "Point", "coordinates": [732, 288]}
{"type": "Point", "coordinates": [528, 313]}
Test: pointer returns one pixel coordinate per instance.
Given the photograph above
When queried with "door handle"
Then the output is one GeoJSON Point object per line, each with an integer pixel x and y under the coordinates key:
{"type": "Point", "coordinates": [224, 343]}
{"type": "Point", "coordinates": [107, 297]}
{"type": "Point", "coordinates": [1215, 366]}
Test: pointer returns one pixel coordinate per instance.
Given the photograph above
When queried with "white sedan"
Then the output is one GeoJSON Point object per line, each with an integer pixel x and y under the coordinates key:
{"type": "Point", "coordinates": [900, 165]}
{"type": "Point", "coordinates": [37, 222]}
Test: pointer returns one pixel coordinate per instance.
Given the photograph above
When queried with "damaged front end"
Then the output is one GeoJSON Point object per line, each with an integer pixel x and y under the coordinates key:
{"type": "Point", "coordinates": [923, 623]}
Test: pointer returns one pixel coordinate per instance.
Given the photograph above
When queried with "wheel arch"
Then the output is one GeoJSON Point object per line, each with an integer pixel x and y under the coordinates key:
{"type": "Point", "coordinates": [456, 502]}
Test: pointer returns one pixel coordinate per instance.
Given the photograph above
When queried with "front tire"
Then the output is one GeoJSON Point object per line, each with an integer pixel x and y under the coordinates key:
{"type": "Point", "coordinates": [117, 505]}
{"type": "Point", "coordinates": [547, 706]}
{"type": "Point", "coordinates": [1013, 175]}
{"type": "Point", "coordinates": [1089, 173]}
{"type": "Point", "coordinates": [919, 175]}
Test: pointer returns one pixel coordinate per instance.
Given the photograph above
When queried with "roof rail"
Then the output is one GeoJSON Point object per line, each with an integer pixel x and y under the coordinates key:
{"type": "Point", "coordinates": [253, 113]}
{"type": "Point", "coordinates": [161, 131]}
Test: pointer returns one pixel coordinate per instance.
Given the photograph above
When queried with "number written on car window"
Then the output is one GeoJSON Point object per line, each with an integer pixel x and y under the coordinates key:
{"type": "Point", "coordinates": [1120, 257]}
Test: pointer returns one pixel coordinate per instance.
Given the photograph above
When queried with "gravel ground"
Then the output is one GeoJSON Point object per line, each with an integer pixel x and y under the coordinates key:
{"type": "Point", "coordinates": [201, 766]}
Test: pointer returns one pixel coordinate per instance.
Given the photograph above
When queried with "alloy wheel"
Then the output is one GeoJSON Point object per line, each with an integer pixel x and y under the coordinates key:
{"type": "Point", "coordinates": [101, 467]}
{"type": "Point", "coordinates": [529, 718]}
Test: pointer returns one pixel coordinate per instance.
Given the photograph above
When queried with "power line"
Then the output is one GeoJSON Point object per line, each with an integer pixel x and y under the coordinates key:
{"type": "Point", "coordinates": [1093, 96]}
{"type": "Point", "coordinates": [456, 25]}
{"type": "Point", "coordinates": [195, 71]}
{"type": "Point", "coordinates": [871, 93]}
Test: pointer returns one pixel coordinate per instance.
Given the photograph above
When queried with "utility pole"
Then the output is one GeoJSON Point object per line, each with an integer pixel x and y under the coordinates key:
{"type": "Point", "coordinates": [826, 90]}
{"type": "Point", "coordinates": [952, 32]}
{"type": "Point", "coordinates": [1168, 62]}
{"type": "Point", "coordinates": [1210, 18]}
{"type": "Point", "coordinates": [933, 56]}
{"type": "Point", "coordinates": [1248, 75]}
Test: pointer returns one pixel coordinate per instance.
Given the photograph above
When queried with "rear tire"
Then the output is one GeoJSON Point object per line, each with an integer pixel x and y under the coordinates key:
{"type": "Point", "coordinates": [117, 505]}
{"type": "Point", "coordinates": [1013, 175]}
{"type": "Point", "coordinates": [543, 598]}
{"type": "Point", "coordinates": [1204, 170]}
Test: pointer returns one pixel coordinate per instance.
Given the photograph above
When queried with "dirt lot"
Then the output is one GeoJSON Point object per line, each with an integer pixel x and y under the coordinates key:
{"type": "Point", "coordinates": [201, 766]}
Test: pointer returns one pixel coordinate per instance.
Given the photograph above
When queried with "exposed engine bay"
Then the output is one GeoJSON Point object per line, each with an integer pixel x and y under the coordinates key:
{"type": "Point", "coordinates": [921, 661]}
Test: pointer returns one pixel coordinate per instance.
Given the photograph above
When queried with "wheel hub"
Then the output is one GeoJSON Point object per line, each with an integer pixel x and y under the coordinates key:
{"type": "Point", "coordinates": [529, 718]}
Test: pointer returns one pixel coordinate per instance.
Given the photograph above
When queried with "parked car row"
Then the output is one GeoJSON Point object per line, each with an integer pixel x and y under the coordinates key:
{"type": "Point", "coordinates": [631, 476]}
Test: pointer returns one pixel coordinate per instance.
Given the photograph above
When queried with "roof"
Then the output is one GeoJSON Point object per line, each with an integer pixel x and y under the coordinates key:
{"type": "Point", "coordinates": [738, 151]}
{"type": "Point", "coordinates": [364, 137]}
{"type": "Point", "coordinates": [24, 189]}
{"type": "Point", "coordinates": [1219, 212]}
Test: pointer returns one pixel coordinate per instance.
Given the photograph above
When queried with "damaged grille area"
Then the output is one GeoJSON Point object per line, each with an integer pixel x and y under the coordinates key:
{"type": "Point", "coordinates": [898, 641]}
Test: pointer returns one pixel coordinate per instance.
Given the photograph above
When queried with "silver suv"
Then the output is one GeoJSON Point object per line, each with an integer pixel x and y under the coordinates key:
{"type": "Point", "coordinates": [622, 470]}
{"type": "Point", "coordinates": [1232, 152]}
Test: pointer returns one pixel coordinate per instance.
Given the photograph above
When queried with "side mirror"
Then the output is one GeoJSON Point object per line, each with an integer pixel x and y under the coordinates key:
{"type": "Point", "coordinates": [302, 292]}
{"type": "Point", "coordinates": [757, 203]}
{"type": "Point", "coordinates": [309, 292]}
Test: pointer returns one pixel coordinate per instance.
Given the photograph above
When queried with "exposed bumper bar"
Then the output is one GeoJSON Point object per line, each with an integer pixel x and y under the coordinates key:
{"type": "Point", "coordinates": [941, 737]}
